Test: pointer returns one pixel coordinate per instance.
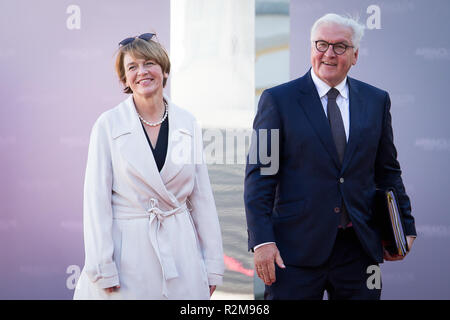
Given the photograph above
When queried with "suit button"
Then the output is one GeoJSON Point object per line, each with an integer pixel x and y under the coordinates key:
{"type": "Point", "coordinates": [337, 209]}
{"type": "Point", "coordinates": [341, 180]}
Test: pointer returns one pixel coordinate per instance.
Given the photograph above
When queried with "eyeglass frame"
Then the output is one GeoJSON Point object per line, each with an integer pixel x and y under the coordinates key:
{"type": "Point", "coordinates": [332, 44]}
{"type": "Point", "coordinates": [145, 36]}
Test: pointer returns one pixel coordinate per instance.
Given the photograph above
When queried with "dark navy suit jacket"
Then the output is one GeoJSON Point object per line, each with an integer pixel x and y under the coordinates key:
{"type": "Point", "coordinates": [296, 207]}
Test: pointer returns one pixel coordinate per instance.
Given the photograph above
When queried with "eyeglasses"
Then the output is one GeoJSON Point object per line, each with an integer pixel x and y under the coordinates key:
{"type": "Point", "coordinates": [338, 48]}
{"type": "Point", "coordinates": [144, 36]}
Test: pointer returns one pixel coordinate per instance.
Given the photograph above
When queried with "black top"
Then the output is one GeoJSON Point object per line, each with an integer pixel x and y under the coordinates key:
{"type": "Point", "coordinates": [160, 150]}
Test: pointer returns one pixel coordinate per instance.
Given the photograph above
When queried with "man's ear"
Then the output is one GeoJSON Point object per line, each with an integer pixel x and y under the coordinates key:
{"type": "Point", "coordinates": [355, 57]}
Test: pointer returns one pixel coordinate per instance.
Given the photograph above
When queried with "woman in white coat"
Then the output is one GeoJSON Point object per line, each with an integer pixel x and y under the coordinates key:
{"type": "Point", "coordinates": [151, 228]}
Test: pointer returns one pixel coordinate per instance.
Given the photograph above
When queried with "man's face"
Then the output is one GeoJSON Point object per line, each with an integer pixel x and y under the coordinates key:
{"type": "Point", "coordinates": [328, 66]}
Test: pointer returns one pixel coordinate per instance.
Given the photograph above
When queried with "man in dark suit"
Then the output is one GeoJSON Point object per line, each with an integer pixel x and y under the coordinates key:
{"type": "Point", "coordinates": [311, 225]}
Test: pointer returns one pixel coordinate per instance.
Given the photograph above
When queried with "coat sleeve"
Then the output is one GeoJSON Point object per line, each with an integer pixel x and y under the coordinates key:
{"type": "Point", "coordinates": [259, 186]}
{"type": "Point", "coordinates": [97, 210]}
{"type": "Point", "coordinates": [388, 172]}
{"type": "Point", "coordinates": [205, 218]}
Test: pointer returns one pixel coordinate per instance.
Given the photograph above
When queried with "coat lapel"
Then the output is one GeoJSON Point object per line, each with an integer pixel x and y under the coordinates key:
{"type": "Point", "coordinates": [138, 153]}
{"type": "Point", "coordinates": [357, 116]}
{"type": "Point", "coordinates": [312, 106]}
{"type": "Point", "coordinates": [179, 141]}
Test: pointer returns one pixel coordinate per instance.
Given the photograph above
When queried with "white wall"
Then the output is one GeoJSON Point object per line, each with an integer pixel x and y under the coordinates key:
{"type": "Point", "coordinates": [213, 57]}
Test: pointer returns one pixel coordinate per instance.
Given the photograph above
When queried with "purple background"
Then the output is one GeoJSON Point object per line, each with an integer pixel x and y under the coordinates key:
{"type": "Point", "coordinates": [55, 83]}
{"type": "Point", "coordinates": [409, 57]}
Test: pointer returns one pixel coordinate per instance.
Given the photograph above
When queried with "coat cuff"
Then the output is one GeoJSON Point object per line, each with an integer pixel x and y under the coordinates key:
{"type": "Point", "coordinates": [215, 270]}
{"type": "Point", "coordinates": [104, 275]}
{"type": "Point", "coordinates": [215, 266]}
{"type": "Point", "coordinates": [410, 229]}
{"type": "Point", "coordinates": [215, 279]}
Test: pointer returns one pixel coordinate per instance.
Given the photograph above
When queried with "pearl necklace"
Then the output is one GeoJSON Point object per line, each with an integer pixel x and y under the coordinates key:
{"type": "Point", "coordinates": [154, 124]}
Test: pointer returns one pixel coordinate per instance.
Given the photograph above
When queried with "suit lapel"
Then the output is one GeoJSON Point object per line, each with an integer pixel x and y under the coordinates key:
{"type": "Point", "coordinates": [357, 116]}
{"type": "Point", "coordinates": [312, 106]}
{"type": "Point", "coordinates": [138, 153]}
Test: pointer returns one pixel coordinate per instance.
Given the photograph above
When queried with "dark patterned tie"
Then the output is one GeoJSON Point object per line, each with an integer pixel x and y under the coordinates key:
{"type": "Point", "coordinates": [336, 123]}
{"type": "Point", "coordinates": [340, 140]}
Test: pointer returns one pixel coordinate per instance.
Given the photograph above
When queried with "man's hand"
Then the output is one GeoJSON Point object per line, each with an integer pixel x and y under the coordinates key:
{"type": "Point", "coordinates": [264, 258]}
{"type": "Point", "coordinates": [396, 257]}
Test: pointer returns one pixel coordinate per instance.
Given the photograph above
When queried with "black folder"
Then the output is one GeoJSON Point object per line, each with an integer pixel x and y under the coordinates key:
{"type": "Point", "coordinates": [390, 221]}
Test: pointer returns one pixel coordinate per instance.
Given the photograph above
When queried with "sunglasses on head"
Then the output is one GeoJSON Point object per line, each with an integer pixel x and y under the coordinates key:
{"type": "Point", "coordinates": [144, 36]}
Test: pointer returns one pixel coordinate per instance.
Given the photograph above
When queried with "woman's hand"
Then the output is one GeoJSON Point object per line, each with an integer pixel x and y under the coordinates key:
{"type": "Point", "coordinates": [112, 289]}
{"type": "Point", "coordinates": [211, 290]}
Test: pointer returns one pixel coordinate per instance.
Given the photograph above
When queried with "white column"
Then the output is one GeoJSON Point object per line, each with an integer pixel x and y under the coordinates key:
{"type": "Point", "coordinates": [272, 31]}
{"type": "Point", "coordinates": [212, 51]}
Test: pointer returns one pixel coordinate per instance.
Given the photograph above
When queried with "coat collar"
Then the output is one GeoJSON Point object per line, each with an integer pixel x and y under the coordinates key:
{"type": "Point", "coordinates": [310, 102]}
{"type": "Point", "coordinates": [138, 153]}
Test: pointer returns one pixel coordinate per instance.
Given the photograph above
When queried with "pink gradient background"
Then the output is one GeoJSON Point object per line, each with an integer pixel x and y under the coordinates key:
{"type": "Point", "coordinates": [55, 83]}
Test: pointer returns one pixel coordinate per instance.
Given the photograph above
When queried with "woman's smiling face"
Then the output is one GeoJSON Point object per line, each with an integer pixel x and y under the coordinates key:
{"type": "Point", "coordinates": [144, 77]}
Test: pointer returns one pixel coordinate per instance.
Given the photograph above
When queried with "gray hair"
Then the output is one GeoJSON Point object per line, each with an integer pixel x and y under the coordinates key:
{"type": "Point", "coordinates": [357, 28]}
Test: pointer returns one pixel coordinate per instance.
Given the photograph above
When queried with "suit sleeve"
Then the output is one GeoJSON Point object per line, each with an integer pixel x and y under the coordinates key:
{"type": "Point", "coordinates": [260, 186]}
{"type": "Point", "coordinates": [388, 172]}
{"type": "Point", "coordinates": [205, 218]}
{"type": "Point", "coordinates": [97, 211]}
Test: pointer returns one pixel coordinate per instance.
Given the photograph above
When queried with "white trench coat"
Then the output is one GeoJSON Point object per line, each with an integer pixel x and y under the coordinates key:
{"type": "Point", "coordinates": [156, 234]}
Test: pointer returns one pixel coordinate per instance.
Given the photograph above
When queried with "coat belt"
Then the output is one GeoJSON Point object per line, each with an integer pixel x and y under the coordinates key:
{"type": "Point", "coordinates": [163, 250]}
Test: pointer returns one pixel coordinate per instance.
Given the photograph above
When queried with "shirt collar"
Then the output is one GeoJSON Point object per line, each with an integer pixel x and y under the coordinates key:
{"type": "Point", "coordinates": [323, 88]}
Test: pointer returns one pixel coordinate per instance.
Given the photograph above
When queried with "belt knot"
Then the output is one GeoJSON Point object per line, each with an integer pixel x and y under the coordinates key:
{"type": "Point", "coordinates": [153, 208]}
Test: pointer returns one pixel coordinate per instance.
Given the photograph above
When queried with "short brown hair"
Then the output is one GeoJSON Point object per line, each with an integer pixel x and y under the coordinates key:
{"type": "Point", "coordinates": [142, 49]}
